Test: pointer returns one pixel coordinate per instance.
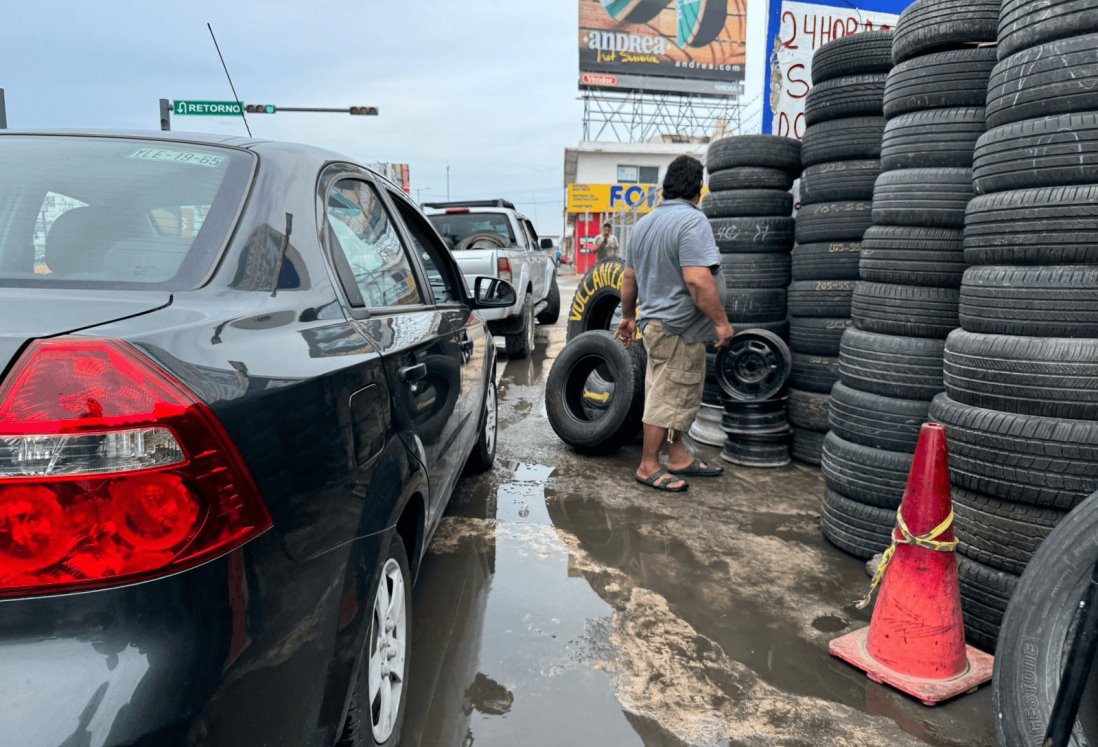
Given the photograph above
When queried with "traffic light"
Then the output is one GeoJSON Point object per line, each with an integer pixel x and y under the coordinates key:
{"type": "Point", "coordinates": [260, 109]}
{"type": "Point", "coordinates": [369, 111]}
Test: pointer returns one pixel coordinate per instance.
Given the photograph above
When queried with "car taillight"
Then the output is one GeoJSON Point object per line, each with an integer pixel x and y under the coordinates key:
{"type": "Point", "coordinates": [457, 211]}
{"type": "Point", "coordinates": [503, 269]}
{"type": "Point", "coordinates": [112, 472]}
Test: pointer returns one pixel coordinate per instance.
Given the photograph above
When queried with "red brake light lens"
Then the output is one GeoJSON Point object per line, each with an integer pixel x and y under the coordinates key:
{"type": "Point", "coordinates": [112, 472]}
{"type": "Point", "coordinates": [457, 211]}
{"type": "Point", "coordinates": [503, 269]}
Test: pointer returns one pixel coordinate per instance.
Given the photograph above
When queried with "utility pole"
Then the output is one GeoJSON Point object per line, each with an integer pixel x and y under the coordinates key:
{"type": "Point", "coordinates": [420, 191]}
{"type": "Point", "coordinates": [447, 182]}
{"type": "Point", "coordinates": [3, 112]}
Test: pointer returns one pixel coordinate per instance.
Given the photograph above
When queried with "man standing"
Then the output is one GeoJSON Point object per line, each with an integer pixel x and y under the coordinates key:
{"type": "Point", "coordinates": [673, 266]}
{"type": "Point", "coordinates": [607, 244]}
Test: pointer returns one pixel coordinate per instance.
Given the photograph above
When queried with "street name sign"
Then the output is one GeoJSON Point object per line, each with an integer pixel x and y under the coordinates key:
{"type": "Point", "coordinates": [207, 108]}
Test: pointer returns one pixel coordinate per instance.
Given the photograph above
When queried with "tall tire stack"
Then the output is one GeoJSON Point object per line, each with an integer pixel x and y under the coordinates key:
{"type": "Point", "coordinates": [750, 209]}
{"type": "Point", "coordinates": [1021, 375]}
{"type": "Point", "coordinates": [841, 158]}
{"type": "Point", "coordinates": [911, 263]}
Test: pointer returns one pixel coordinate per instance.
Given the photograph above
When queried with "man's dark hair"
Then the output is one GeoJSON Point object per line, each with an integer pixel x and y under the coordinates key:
{"type": "Point", "coordinates": [684, 179]}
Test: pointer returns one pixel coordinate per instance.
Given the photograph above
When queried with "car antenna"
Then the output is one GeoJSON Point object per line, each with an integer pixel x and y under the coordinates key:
{"type": "Point", "coordinates": [282, 252]}
{"type": "Point", "coordinates": [231, 86]}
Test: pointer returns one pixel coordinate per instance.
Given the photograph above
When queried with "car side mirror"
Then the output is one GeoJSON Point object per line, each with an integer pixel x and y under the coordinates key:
{"type": "Point", "coordinates": [546, 243]}
{"type": "Point", "coordinates": [493, 293]}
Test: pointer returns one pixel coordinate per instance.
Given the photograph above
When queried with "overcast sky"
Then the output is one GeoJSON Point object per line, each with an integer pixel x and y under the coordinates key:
{"type": "Point", "coordinates": [486, 86]}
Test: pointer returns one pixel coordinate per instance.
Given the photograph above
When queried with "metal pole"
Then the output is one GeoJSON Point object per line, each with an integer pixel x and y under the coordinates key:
{"type": "Point", "coordinates": [165, 115]}
{"type": "Point", "coordinates": [3, 112]}
{"type": "Point", "coordinates": [447, 182]}
{"type": "Point", "coordinates": [1078, 661]}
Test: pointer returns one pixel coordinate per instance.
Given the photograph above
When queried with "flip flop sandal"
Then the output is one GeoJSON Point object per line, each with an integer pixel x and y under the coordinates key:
{"type": "Point", "coordinates": [697, 470]}
{"type": "Point", "coordinates": [653, 481]}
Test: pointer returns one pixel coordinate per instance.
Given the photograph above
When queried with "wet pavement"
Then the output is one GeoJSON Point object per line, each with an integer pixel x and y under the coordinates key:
{"type": "Point", "coordinates": [562, 604]}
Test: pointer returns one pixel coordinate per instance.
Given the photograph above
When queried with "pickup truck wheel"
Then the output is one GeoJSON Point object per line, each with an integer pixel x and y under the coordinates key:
{"type": "Point", "coordinates": [551, 313]}
{"type": "Point", "coordinates": [521, 344]}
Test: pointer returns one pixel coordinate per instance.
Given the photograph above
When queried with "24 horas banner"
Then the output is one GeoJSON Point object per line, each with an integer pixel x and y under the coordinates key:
{"type": "Point", "coordinates": [688, 40]}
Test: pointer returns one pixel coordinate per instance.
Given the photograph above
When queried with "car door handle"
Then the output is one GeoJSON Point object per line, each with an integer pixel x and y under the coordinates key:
{"type": "Point", "coordinates": [467, 347]}
{"type": "Point", "coordinates": [414, 373]}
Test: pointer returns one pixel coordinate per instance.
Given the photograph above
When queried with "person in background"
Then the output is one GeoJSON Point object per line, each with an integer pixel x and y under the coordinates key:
{"type": "Point", "coordinates": [607, 244]}
{"type": "Point", "coordinates": [673, 267]}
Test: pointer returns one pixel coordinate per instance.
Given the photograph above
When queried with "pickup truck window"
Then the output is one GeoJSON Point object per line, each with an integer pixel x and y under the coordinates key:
{"type": "Point", "coordinates": [456, 227]}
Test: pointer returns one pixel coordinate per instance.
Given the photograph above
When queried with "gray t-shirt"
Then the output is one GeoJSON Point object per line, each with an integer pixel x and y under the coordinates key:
{"type": "Point", "coordinates": [673, 236]}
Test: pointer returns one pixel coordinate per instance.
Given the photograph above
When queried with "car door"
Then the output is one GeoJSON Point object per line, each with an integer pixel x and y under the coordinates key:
{"type": "Point", "coordinates": [539, 261]}
{"type": "Point", "coordinates": [394, 308]}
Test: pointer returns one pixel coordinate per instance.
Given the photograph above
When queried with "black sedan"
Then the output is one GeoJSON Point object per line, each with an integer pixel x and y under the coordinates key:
{"type": "Point", "coordinates": [241, 380]}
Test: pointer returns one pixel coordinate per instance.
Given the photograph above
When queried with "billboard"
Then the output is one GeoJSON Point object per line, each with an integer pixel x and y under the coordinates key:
{"type": "Point", "coordinates": [678, 46]}
{"type": "Point", "coordinates": [610, 198]}
{"type": "Point", "coordinates": [398, 173]}
{"type": "Point", "coordinates": [795, 31]}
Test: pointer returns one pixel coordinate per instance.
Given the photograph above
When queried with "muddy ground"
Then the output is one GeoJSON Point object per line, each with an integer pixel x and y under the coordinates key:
{"type": "Point", "coordinates": [562, 604]}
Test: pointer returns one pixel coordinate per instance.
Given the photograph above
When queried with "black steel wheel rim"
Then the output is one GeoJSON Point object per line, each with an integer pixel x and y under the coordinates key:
{"type": "Point", "coordinates": [754, 367]}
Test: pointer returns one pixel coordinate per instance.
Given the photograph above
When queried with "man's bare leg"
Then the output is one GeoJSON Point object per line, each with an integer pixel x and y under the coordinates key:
{"type": "Point", "coordinates": [678, 458]}
{"type": "Point", "coordinates": [654, 436]}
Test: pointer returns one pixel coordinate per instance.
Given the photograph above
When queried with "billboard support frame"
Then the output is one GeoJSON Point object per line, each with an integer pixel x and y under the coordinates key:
{"type": "Point", "coordinates": [640, 116]}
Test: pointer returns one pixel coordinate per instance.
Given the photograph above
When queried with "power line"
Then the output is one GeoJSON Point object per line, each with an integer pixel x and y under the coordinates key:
{"type": "Point", "coordinates": [225, 67]}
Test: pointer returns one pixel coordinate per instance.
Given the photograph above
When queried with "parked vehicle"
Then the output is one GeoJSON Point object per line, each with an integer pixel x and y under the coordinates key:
{"type": "Point", "coordinates": [491, 238]}
{"type": "Point", "coordinates": [241, 380]}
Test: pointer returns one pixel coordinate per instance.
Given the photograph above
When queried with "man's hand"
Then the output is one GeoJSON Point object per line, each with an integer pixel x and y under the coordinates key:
{"type": "Point", "coordinates": [725, 333]}
{"type": "Point", "coordinates": [627, 332]}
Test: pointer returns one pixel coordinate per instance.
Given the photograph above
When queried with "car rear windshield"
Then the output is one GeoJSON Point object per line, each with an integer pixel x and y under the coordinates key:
{"type": "Point", "coordinates": [114, 212]}
{"type": "Point", "coordinates": [456, 227]}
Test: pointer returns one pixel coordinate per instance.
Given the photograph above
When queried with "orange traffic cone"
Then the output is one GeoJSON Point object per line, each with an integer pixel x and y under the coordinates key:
{"type": "Point", "coordinates": [915, 641]}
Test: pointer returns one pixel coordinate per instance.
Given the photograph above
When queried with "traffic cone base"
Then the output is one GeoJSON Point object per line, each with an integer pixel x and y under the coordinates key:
{"type": "Point", "coordinates": [852, 649]}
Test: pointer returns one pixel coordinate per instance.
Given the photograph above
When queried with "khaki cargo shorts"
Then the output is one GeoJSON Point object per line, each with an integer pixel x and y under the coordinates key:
{"type": "Point", "coordinates": [675, 379]}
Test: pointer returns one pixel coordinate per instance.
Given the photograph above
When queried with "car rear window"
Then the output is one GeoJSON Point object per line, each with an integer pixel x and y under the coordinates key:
{"type": "Point", "coordinates": [97, 211]}
{"type": "Point", "coordinates": [456, 227]}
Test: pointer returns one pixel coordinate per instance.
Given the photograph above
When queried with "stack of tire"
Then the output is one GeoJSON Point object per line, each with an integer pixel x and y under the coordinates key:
{"type": "Point", "coordinates": [841, 159]}
{"type": "Point", "coordinates": [750, 209]}
{"type": "Point", "coordinates": [753, 371]}
{"type": "Point", "coordinates": [1021, 375]}
{"type": "Point", "coordinates": [911, 265]}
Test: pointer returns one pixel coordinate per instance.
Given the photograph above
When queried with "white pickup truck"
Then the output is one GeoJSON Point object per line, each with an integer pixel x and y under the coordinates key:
{"type": "Point", "coordinates": [490, 237]}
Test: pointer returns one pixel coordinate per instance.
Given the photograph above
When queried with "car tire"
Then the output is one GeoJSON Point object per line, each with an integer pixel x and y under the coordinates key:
{"type": "Point", "coordinates": [808, 410]}
{"type": "Point", "coordinates": [564, 393]}
{"type": "Point", "coordinates": [597, 299]}
{"type": "Point", "coordinates": [845, 97]}
{"type": "Point", "coordinates": [854, 139]}
{"type": "Point", "coordinates": [755, 271]}
{"type": "Point", "coordinates": [942, 80]}
{"type": "Point", "coordinates": [750, 177]}
{"type": "Point", "coordinates": [836, 260]}
{"type": "Point", "coordinates": [875, 477]}
{"type": "Point", "coordinates": [521, 344]}
{"type": "Point", "coordinates": [1037, 628]}
{"type": "Point", "coordinates": [1029, 23]}
{"type": "Point", "coordinates": [857, 54]}
{"type": "Point", "coordinates": [856, 528]}
{"type": "Point", "coordinates": [1031, 301]}
{"type": "Point", "coordinates": [1039, 461]}
{"type": "Point", "coordinates": [551, 313]}
{"type": "Point", "coordinates": [877, 421]}
{"type": "Point", "coordinates": [753, 235]}
{"type": "Point", "coordinates": [930, 25]}
{"type": "Point", "coordinates": [756, 151]}
{"type": "Point", "coordinates": [1000, 534]}
{"type": "Point", "coordinates": [807, 446]}
{"type": "Point", "coordinates": [1043, 226]}
{"type": "Point", "coordinates": [839, 181]}
{"type": "Point", "coordinates": [814, 373]}
{"type": "Point", "coordinates": [905, 310]}
{"type": "Point", "coordinates": [821, 298]}
{"type": "Point", "coordinates": [756, 305]}
{"type": "Point", "coordinates": [985, 594]}
{"type": "Point", "coordinates": [940, 138]}
{"type": "Point", "coordinates": [743, 203]}
{"type": "Point", "coordinates": [1044, 376]}
{"type": "Point", "coordinates": [891, 365]}
{"type": "Point", "coordinates": [1057, 77]}
{"type": "Point", "coordinates": [817, 335]}
{"type": "Point", "coordinates": [932, 198]}
{"type": "Point", "coordinates": [359, 729]}
{"type": "Point", "coordinates": [833, 222]}
{"type": "Point", "coordinates": [913, 255]}
{"type": "Point", "coordinates": [483, 456]}
{"type": "Point", "coordinates": [1049, 152]}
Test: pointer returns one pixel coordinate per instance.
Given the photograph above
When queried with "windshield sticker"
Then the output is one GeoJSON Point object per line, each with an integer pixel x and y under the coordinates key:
{"type": "Point", "coordinates": [178, 156]}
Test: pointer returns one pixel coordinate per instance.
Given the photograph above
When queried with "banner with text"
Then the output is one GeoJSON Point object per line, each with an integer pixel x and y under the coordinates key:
{"type": "Point", "coordinates": [636, 44]}
{"type": "Point", "coordinates": [796, 30]}
{"type": "Point", "coordinates": [611, 198]}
